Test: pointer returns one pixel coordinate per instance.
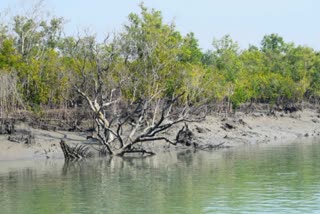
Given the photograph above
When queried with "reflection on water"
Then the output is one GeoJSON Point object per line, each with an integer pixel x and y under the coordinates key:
{"type": "Point", "coordinates": [276, 179]}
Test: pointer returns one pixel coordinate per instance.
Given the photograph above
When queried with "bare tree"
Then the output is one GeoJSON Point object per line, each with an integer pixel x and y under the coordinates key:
{"type": "Point", "coordinates": [121, 123]}
{"type": "Point", "coordinates": [142, 124]}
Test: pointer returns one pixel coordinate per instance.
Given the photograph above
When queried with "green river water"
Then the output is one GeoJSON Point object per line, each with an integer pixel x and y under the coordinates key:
{"type": "Point", "coordinates": [255, 179]}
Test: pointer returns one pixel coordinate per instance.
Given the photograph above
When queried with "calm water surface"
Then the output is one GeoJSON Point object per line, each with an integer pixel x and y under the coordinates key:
{"type": "Point", "coordinates": [257, 179]}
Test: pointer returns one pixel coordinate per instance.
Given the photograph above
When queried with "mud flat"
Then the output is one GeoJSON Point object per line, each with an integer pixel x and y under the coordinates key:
{"type": "Point", "coordinates": [237, 130]}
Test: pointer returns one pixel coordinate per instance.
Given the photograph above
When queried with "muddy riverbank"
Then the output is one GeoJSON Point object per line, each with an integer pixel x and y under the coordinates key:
{"type": "Point", "coordinates": [237, 130]}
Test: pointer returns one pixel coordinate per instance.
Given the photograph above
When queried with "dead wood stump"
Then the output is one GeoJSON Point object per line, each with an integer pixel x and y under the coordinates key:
{"type": "Point", "coordinates": [77, 152]}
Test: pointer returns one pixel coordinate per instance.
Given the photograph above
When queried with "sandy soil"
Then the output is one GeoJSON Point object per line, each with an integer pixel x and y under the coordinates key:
{"type": "Point", "coordinates": [234, 131]}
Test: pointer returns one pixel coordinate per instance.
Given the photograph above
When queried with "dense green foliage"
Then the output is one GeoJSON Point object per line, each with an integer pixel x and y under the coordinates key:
{"type": "Point", "coordinates": [149, 58]}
